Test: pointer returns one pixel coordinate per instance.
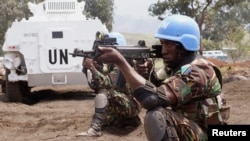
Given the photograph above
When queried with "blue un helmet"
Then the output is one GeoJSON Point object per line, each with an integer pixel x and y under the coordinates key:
{"type": "Point", "coordinates": [182, 29]}
{"type": "Point", "coordinates": [120, 39]}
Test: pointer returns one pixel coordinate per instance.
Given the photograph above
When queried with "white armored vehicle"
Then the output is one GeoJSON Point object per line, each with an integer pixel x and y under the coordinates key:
{"type": "Point", "coordinates": [37, 49]}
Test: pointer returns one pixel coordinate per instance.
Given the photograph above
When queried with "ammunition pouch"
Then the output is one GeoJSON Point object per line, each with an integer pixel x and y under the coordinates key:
{"type": "Point", "coordinates": [214, 113]}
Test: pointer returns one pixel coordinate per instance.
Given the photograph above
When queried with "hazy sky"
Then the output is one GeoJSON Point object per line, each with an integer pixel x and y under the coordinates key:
{"type": "Point", "coordinates": [133, 8]}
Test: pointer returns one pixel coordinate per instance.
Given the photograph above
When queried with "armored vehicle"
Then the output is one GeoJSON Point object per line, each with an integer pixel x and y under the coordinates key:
{"type": "Point", "coordinates": [37, 49]}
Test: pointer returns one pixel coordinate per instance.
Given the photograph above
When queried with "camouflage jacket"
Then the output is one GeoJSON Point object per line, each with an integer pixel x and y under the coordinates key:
{"type": "Point", "coordinates": [106, 79]}
{"type": "Point", "coordinates": [197, 85]}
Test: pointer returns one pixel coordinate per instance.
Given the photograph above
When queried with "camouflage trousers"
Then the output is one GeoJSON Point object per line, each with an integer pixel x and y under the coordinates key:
{"type": "Point", "coordinates": [120, 106]}
{"type": "Point", "coordinates": [187, 130]}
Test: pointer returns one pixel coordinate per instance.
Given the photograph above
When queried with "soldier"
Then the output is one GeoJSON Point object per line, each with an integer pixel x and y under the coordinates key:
{"type": "Point", "coordinates": [113, 105]}
{"type": "Point", "coordinates": [186, 98]}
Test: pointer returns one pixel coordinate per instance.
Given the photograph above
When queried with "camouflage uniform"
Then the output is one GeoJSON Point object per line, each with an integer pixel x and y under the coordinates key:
{"type": "Point", "coordinates": [197, 86]}
{"type": "Point", "coordinates": [121, 105]}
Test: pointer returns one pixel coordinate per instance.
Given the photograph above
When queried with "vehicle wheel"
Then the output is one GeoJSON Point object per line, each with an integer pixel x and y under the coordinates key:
{"type": "Point", "coordinates": [3, 85]}
{"type": "Point", "coordinates": [16, 91]}
{"type": "Point", "coordinates": [13, 92]}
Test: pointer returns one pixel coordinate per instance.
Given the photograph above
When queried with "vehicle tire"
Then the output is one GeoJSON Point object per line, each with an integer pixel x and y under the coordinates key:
{"type": "Point", "coordinates": [13, 91]}
{"type": "Point", "coordinates": [3, 89]}
{"type": "Point", "coordinates": [16, 91]}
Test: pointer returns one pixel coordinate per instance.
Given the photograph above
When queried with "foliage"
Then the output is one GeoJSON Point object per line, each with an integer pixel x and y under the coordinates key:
{"type": "Point", "coordinates": [204, 12]}
{"type": "Point", "coordinates": [193, 8]}
{"type": "Point", "coordinates": [236, 40]}
{"type": "Point", "coordinates": [217, 19]}
{"type": "Point", "coordinates": [11, 10]}
{"type": "Point", "coordinates": [225, 19]}
{"type": "Point", "coordinates": [103, 9]}
{"type": "Point", "coordinates": [209, 44]}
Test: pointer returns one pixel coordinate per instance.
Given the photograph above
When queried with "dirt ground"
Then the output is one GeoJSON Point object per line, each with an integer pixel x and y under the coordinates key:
{"type": "Point", "coordinates": [58, 114]}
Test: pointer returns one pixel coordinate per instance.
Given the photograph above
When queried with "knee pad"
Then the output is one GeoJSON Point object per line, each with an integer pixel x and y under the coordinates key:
{"type": "Point", "coordinates": [154, 125]}
{"type": "Point", "coordinates": [158, 126]}
{"type": "Point", "coordinates": [101, 102]}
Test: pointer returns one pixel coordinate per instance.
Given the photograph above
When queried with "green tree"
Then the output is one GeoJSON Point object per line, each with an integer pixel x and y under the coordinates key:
{"type": "Point", "coordinates": [229, 26]}
{"type": "Point", "coordinates": [103, 9]}
{"type": "Point", "coordinates": [209, 44]}
{"type": "Point", "coordinates": [11, 10]}
{"type": "Point", "coordinates": [236, 39]}
{"type": "Point", "coordinates": [193, 8]}
{"type": "Point", "coordinates": [199, 10]}
{"type": "Point", "coordinates": [225, 19]}
{"type": "Point", "coordinates": [214, 17]}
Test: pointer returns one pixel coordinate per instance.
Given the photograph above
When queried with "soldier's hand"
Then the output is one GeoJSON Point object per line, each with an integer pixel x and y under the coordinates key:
{"type": "Point", "coordinates": [110, 55]}
{"type": "Point", "coordinates": [144, 69]}
{"type": "Point", "coordinates": [87, 63]}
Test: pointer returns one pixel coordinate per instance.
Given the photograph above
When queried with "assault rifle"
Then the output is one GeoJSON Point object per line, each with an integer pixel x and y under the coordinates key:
{"type": "Point", "coordinates": [132, 54]}
{"type": "Point", "coordinates": [129, 52]}
{"type": "Point", "coordinates": [100, 39]}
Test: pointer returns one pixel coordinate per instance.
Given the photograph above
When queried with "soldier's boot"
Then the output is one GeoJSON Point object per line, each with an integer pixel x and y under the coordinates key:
{"type": "Point", "coordinates": [101, 102]}
{"type": "Point", "coordinates": [93, 131]}
{"type": "Point", "coordinates": [159, 126]}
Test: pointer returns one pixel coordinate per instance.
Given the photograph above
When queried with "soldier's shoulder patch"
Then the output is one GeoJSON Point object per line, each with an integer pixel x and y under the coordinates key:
{"type": "Point", "coordinates": [186, 69]}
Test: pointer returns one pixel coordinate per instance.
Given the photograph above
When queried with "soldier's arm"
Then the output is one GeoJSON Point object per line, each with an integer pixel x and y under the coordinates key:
{"type": "Point", "coordinates": [145, 92]}
{"type": "Point", "coordinates": [103, 81]}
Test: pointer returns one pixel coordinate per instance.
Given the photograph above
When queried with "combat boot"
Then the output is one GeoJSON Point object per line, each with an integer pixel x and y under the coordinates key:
{"type": "Point", "coordinates": [94, 130]}
{"type": "Point", "coordinates": [91, 132]}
